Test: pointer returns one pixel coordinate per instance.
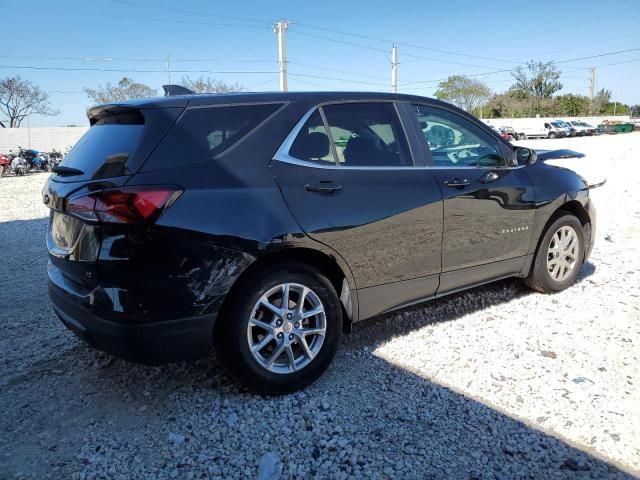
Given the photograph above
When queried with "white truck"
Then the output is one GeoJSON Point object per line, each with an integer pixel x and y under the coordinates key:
{"type": "Point", "coordinates": [538, 128]}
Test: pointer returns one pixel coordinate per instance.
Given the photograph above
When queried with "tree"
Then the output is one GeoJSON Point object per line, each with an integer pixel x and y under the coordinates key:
{"type": "Point", "coordinates": [127, 88]}
{"type": "Point", "coordinates": [464, 92]}
{"type": "Point", "coordinates": [600, 101]}
{"type": "Point", "coordinates": [571, 105]}
{"type": "Point", "coordinates": [210, 85]}
{"type": "Point", "coordinates": [615, 108]}
{"type": "Point", "coordinates": [540, 80]}
{"type": "Point", "coordinates": [20, 98]}
{"type": "Point", "coordinates": [635, 110]}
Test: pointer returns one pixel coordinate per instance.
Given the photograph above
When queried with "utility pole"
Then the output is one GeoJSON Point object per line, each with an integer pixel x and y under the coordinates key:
{"type": "Point", "coordinates": [592, 84]}
{"type": "Point", "coordinates": [168, 60]}
{"type": "Point", "coordinates": [394, 69]}
{"type": "Point", "coordinates": [279, 28]}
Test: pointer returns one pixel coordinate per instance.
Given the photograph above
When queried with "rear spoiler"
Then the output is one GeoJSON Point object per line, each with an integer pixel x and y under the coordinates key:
{"type": "Point", "coordinates": [174, 90]}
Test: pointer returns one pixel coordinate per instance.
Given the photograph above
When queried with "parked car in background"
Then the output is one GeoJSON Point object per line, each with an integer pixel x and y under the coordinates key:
{"type": "Point", "coordinates": [570, 131]}
{"type": "Point", "coordinates": [266, 224]}
{"type": "Point", "coordinates": [508, 133]}
{"type": "Point", "coordinates": [499, 131]}
{"type": "Point", "coordinates": [537, 128]}
{"type": "Point", "coordinates": [581, 128]}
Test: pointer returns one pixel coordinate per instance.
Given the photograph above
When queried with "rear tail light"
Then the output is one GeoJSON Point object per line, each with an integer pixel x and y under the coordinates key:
{"type": "Point", "coordinates": [133, 205]}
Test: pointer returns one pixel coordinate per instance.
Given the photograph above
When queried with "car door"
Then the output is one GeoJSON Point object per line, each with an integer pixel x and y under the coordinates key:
{"type": "Point", "coordinates": [348, 175]}
{"type": "Point", "coordinates": [488, 205]}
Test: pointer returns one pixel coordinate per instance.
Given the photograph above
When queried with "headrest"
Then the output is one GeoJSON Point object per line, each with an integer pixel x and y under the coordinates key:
{"type": "Point", "coordinates": [312, 146]}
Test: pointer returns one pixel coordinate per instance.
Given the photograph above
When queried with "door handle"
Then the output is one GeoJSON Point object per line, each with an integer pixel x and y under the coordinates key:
{"type": "Point", "coordinates": [323, 187]}
{"type": "Point", "coordinates": [456, 182]}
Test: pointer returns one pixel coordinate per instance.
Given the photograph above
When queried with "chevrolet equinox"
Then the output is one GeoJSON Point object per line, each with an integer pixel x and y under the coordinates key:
{"type": "Point", "coordinates": [266, 224]}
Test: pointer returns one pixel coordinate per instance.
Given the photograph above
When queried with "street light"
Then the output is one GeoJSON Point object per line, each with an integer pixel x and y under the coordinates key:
{"type": "Point", "coordinates": [168, 60]}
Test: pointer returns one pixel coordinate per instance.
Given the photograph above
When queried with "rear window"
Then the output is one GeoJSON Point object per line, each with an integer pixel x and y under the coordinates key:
{"type": "Point", "coordinates": [205, 133]}
{"type": "Point", "coordinates": [106, 147]}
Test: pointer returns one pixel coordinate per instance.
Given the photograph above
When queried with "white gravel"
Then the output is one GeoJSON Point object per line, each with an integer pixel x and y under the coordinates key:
{"type": "Point", "coordinates": [496, 382]}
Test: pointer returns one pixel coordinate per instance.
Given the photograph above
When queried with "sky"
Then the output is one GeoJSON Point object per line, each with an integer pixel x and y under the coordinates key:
{"type": "Point", "coordinates": [331, 45]}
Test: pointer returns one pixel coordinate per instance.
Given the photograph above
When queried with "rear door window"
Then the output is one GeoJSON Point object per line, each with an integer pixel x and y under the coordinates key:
{"type": "Point", "coordinates": [367, 135]}
{"type": "Point", "coordinates": [205, 133]}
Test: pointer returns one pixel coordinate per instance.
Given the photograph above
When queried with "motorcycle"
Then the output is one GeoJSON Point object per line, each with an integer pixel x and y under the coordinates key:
{"type": "Point", "coordinates": [19, 165]}
{"type": "Point", "coordinates": [5, 165]}
{"type": "Point", "coordinates": [41, 161]}
{"type": "Point", "coordinates": [29, 155]}
{"type": "Point", "coordinates": [55, 157]}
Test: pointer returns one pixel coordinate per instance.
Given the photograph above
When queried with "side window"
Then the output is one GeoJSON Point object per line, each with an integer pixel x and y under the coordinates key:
{"type": "Point", "coordinates": [204, 133]}
{"type": "Point", "coordinates": [367, 135]}
{"type": "Point", "coordinates": [455, 141]}
{"type": "Point", "coordinates": [312, 143]}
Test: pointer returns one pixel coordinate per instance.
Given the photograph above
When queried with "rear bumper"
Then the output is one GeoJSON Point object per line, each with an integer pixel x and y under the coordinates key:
{"type": "Point", "coordinates": [150, 342]}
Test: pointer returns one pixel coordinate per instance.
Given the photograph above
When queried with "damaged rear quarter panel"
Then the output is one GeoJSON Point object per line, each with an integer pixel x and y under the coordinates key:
{"type": "Point", "coordinates": [162, 276]}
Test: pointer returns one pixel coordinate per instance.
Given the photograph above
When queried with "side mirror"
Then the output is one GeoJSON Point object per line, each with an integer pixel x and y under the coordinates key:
{"type": "Point", "coordinates": [524, 156]}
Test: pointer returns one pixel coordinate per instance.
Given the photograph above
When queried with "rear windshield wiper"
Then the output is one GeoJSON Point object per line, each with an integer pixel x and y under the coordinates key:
{"type": "Point", "coordinates": [62, 170]}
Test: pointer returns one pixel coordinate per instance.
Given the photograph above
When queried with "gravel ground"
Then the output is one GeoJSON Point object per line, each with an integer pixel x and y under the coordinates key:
{"type": "Point", "coordinates": [496, 382]}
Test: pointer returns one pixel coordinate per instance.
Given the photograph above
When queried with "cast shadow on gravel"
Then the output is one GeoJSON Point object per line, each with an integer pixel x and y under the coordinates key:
{"type": "Point", "coordinates": [446, 309]}
{"type": "Point", "coordinates": [400, 424]}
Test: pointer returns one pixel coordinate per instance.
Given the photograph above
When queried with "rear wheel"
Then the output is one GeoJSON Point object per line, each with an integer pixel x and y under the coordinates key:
{"type": "Point", "coordinates": [280, 330]}
{"type": "Point", "coordinates": [559, 256]}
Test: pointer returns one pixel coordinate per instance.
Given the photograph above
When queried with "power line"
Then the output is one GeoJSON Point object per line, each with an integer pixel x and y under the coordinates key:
{"type": "Point", "coordinates": [618, 63]}
{"type": "Point", "coordinates": [597, 56]}
{"type": "Point", "coordinates": [435, 59]}
{"type": "Point", "coordinates": [194, 12]}
{"type": "Point", "coordinates": [421, 47]}
{"type": "Point", "coordinates": [86, 69]}
{"type": "Point", "coordinates": [344, 42]}
{"type": "Point", "coordinates": [337, 79]}
{"type": "Point", "coordinates": [337, 71]}
{"type": "Point", "coordinates": [560, 61]}
{"type": "Point", "coordinates": [138, 19]}
{"type": "Point", "coordinates": [116, 59]}
{"type": "Point", "coordinates": [368, 47]}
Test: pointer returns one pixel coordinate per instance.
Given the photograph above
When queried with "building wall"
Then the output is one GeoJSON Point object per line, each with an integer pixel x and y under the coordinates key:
{"type": "Point", "coordinates": [40, 138]}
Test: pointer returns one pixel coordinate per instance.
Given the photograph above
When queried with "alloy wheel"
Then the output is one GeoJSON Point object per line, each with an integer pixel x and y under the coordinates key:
{"type": "Point", "coordinates": [287, 327]}
{"type": "Point", "coordinates": [562, 254]}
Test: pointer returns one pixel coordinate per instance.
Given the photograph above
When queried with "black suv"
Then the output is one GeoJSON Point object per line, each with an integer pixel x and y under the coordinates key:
{"type": "Point", "coordinates": [265, 224]}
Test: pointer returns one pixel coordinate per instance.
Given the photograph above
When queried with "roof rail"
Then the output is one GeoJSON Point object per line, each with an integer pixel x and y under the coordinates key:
{"type": "Point", "coordinates": [173, 90]}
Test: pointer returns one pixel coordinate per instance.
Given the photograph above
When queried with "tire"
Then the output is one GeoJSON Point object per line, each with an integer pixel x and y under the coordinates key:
{"type": "Point", "coordinates": [522, 136]}
{"type": "Point", "coordinates": [552, 135]}
{"type": "Point", "coordinates": [545, 278]}
{"type": "Point", "coordinates": [234, 331]}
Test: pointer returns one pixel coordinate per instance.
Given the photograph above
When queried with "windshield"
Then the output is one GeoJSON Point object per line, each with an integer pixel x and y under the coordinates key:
{"type": "Point", "coordinates": [557, 124]}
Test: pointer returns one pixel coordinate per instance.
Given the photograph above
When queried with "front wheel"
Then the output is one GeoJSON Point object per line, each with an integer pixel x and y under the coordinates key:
{"type": "Point", "coordinates": [552, 135]}
{"type": "Point", "coordinates": [280, 330]}
{"type": "Point", "coordinates": [559, 256]}
{"type": "Point", "coordinates": [522, 136]}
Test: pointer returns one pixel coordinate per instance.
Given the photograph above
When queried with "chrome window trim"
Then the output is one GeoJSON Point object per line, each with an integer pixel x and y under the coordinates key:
{"type": "Point", "coordinates": [282, 154]}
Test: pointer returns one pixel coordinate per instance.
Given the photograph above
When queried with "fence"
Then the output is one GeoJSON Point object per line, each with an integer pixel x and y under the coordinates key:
{"type": "Point", "coordinates": [39, 138]}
